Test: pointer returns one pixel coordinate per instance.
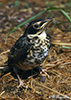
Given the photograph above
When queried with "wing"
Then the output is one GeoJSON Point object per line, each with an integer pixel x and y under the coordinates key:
{"type": "Point", "coordinates": [19, 51]}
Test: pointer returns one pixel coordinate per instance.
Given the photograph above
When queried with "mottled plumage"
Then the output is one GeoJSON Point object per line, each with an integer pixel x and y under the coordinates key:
{"type": "Point", "coordinates": [31, 49]}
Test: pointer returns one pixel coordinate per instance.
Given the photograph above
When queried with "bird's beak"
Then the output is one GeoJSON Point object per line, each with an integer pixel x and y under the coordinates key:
{"type": "Point", "coordinates": [48, 22]}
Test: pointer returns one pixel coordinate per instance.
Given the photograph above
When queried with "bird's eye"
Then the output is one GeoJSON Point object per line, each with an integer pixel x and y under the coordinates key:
{"type": "Point", "coordinates": [36, 26]}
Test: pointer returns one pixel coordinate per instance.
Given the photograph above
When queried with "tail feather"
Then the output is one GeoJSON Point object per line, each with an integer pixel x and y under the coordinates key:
{"type": "Point", "coordinates": [5, 70]}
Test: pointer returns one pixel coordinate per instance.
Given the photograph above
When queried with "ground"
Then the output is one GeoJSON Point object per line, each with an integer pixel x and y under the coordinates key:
{"type": "Point", "coordinates": [58, 62]}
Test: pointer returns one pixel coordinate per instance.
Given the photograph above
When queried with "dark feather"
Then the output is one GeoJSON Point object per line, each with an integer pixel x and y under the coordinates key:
{"type": "Point", "coordinates": [19, 51]}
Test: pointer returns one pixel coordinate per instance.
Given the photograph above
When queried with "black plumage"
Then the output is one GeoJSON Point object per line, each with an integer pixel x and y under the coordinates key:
{"type": "Point", "coordinates": [31, 49]}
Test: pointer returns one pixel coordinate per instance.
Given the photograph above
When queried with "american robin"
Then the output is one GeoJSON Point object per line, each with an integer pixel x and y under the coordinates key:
{"type": "Point", "coordinates": [31, 49]}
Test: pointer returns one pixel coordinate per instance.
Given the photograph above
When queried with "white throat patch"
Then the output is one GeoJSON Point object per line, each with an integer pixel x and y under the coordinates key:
{"type": "Point", "coordinates": [42, 35]}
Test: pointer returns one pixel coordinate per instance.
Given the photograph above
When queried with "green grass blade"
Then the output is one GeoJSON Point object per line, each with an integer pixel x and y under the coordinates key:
{"type": "Point", "coordinates": [66, 47]}
{"type": "Point", "coordinates": [16, 3]}
{"type": "Point", "coordinates": [51, 8]}
{"type": "Point", "coordinates": [57, 24]}
{"type": "Point", "coordinates": [25, 22]}
{"type": "Point", "coordinates": [1, 3]}
{"type": "Point", "coordinates": [50, 28]}
{"type": "Point", "coordinates": [61, 11]}
{"type": "Point", "coordinates": [65, 14]}
{"type": "Point", "coordinates": [27, 5]}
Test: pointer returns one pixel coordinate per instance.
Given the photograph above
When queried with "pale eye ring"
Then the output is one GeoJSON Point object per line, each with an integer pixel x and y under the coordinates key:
{"type": "Point", "coordinates": [36, 26]}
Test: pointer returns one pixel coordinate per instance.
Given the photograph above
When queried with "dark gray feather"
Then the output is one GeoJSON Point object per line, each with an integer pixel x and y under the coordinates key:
{"type": "Point", "coordinates": [19, 51]}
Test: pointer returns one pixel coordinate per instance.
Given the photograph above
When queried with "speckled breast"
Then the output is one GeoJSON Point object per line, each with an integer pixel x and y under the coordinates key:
{"type": "Point", "coordinates": [37, 54]}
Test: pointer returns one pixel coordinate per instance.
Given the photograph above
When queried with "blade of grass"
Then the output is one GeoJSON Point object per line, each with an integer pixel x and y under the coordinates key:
{"type": "Point", "coordinates": [66, 47]}
{"type": "Point", "coordinates": [1, 3]}
{"type": "Point", "coordinates": [26, 3]}
{"type": "Point", "coordinates": [51, 8]}
{"type": "Point", "coordinates": [50, 29]}
{"type": "Point", "coordinates": [57, 24]}
{"type": "Point", "coordinates": [61, 11]}
{"type": "Point", "coordinates": [24, 22]}
{"type": "Point", "coordinates": [65, 14]}
{"type": "Point", "coordinates": [16, 3]}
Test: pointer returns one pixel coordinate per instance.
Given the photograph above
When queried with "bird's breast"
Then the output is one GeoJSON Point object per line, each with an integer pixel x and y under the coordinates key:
{"type": "Point", "coordinates": [38, 52]}
{"type": "Point", "coordinates": [36, 55]}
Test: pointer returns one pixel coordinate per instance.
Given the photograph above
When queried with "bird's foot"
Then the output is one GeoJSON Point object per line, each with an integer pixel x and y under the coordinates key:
{"type": "Point", "coordinates": [21, 84]}
{"type": "Point", "coordinates": [43, 71]}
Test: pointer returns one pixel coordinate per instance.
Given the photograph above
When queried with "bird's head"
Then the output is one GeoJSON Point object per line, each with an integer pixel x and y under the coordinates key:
{"type": "Point", "coordinates": [37, 27]}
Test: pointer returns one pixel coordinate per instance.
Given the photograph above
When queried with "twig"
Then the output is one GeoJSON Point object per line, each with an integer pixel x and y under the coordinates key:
{"type": "Point", "coordinates": [66, 63]}
{"type": "Point", "coordinates": [57, 63]}
{"type": "Point", "coordinates": [2, 93]}
{"type": "Point", "coordinates": [4, 52]}
{"type": "Point", "coordinates": [53, 91]}
{"type": "Point", "coordinates": [2, 67]}
{"type": "Point", "coordinates": [62, 43]}
{"type": "Point", "coordinates": [7, 74]}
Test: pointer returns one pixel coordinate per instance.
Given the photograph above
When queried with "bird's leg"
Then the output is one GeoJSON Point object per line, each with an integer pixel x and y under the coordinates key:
{"type": "Point", "coordinates": [43, 71]}
{"type": "Point", "coordinates": [20, 81]}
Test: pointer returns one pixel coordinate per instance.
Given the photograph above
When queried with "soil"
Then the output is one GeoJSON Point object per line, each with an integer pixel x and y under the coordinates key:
{"type": "Point", "coordinates": [58, 62]}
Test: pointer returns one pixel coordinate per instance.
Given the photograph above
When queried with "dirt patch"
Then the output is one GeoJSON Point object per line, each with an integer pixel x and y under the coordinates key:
{"type": "Point", "coordinates": [57, 64]}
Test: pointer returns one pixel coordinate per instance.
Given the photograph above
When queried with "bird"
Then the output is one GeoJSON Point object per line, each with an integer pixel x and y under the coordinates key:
{"type": "Point", "coordinates": [31, 49]}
